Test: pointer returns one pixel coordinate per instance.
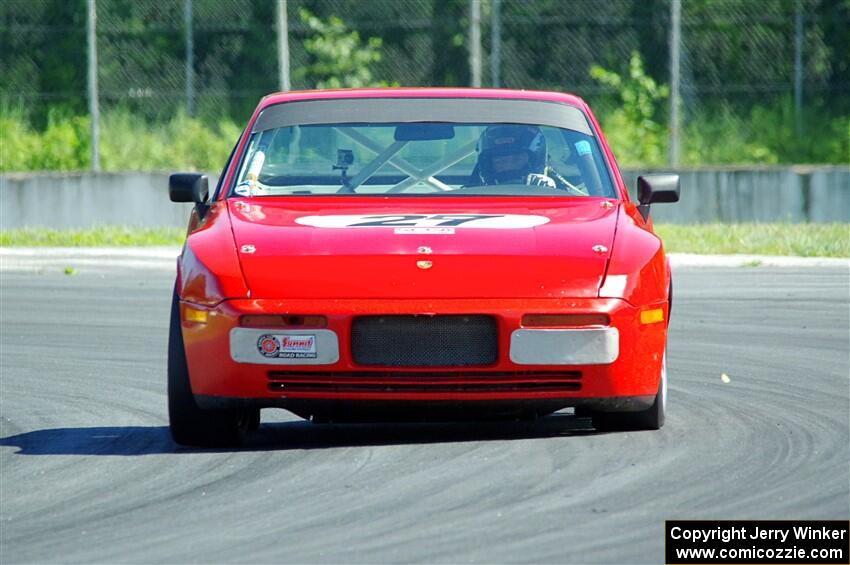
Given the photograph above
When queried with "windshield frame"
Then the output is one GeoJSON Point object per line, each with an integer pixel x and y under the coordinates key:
{"type": "Point", "coordinates": [454, 110]}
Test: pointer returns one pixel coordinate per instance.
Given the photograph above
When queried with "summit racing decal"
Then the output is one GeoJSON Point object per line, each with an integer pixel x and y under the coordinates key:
{"type": "Point", "coordinates": [287, 346]}
{"type": "Point", "coordinates": [268, 346]}
{"type": "Point", "coordinates": [407, 223]}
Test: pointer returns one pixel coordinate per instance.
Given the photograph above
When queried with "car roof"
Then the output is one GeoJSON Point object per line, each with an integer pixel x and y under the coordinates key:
{"type": "Point", "coordinates": [300, 95]}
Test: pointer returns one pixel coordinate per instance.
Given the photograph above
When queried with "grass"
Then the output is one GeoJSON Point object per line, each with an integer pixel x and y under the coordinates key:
{"type": "Point", "coordinates": [806, 240]}
{"type": "Point", "coordinates": [107, 236]}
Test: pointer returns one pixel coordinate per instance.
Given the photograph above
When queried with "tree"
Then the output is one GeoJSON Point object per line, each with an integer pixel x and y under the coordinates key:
{"type": "Point", "coordinates": [339, 59]}
{"type": "Point", "coordinates": [634, 128]}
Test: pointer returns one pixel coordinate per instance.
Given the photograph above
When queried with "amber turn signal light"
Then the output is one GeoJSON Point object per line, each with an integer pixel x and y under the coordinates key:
{"type": "Point", "coordinates": [282, 321]}
{"type": "Point", "coordinates": [194, 315]}
{"type": "Point", "coordinates": [652, 316]}
{"type": "Point", "coordinates": [564, 320]}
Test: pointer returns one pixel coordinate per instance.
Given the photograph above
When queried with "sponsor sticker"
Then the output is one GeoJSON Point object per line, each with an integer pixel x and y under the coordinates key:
{"type": "Point", "coordinates": [268, 345]}
{"type": "Point", "coordinates": [424, 231]}
{"type": "Point", "coordinates": [287, 346]}
{"type": "Point", "coordinates": [583, 147]}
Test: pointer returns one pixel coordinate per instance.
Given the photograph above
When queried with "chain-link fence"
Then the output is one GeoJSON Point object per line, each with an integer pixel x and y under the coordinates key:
{"type": "Point", "coordinates": [759, 80]}
{"type": "Point", "coordinates": [778, 73]}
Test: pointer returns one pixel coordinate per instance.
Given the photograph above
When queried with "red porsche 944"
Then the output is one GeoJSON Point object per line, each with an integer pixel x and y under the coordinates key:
{"type": "Point", "coordinates": [414, 253]}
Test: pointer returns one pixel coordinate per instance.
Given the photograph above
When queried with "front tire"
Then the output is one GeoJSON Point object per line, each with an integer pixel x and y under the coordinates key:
{"type": "Point", "coordinates": [650, 419]}
{"type": "Point", "coordinates": [189, 424]}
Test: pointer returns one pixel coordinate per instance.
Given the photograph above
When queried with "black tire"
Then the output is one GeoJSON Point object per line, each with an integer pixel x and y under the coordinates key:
{"type": "Point", "coordinates": [189, 424]}
{"type": "Point", "coordinates": [248, 421]}
{"type": "Point", "coordinates": [669, 302]}
{"type": "Point", "coordinates": [650, 419]}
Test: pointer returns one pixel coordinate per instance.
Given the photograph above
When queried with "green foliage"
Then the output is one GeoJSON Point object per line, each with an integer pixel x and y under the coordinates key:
{"type": "Point", "coordinates": [718, 133]}
{"type": "Point", "coordinates": [339, 59]}
{"type": "Point", "coordinates": [127, 142]}
{"type": "Point", "coordinates": [18, 143]}
{"type": "Point", "coordinates": [765, 134]}
{"type": "Point", "coordinates": [721, 137]}
{"type": "Point", "coordinates": [634, 129]}
{"type": "Point", "coordinates": [63, 145]}
{"type": "Point", "coordinates": [67, 143]}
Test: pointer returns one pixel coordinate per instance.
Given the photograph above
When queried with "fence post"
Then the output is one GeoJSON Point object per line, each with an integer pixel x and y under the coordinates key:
{"type": "Point", "coordinates": [496, 43]}
{"type": "Point", "coordinates": [475, 43]}
{"type": "Point", "coordinates": [190, 59]}
{"type": "Point", "coordinates": [675, 47]}
{"type": "Point", "coordinates": [798, 68]}
{"type": "Point", "coordinates": [283, 46]}
{"type": "Point", "coordinates": [94, 109]}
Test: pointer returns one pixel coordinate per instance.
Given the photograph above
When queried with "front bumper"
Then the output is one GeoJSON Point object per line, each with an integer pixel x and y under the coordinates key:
{"type": "Point", "coordinates": [574, 346]}
{"type": "Point", "coordinates": [617, 365]}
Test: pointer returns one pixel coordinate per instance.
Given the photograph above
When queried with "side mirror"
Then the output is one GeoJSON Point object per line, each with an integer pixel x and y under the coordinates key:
{"type": "Point", "coordinates": [656, 188]}
{"type": "Point", "coordinates": [189, 187]}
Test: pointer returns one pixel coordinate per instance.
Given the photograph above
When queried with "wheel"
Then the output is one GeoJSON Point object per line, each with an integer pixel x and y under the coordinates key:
{"type": "Point", "coordinates": [248, 420]}
{"type": "Point", "coordinates": [189, 424]}
{"type": "Point", "coordinates": [649, 419]}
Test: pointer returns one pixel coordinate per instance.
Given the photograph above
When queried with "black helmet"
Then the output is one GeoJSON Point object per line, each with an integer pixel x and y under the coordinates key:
{"type": "Point", "coordinates": [509, 153]}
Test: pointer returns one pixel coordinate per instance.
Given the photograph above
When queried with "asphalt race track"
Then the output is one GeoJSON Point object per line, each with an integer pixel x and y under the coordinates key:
{"type": "Point", "coordinates": [89, 473]}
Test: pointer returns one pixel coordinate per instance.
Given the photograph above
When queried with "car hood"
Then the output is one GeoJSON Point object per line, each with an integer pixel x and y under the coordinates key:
{"type": "Point", "coordinates": [412, 247]}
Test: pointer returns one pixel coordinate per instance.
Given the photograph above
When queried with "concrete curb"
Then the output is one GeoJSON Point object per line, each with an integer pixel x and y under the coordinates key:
{"type": "Point", "coordinates": [41, 258]}
{"type": "Point", "coordinates": [694, 260]}
{"type": "Point", "coordinates": [152, 252]}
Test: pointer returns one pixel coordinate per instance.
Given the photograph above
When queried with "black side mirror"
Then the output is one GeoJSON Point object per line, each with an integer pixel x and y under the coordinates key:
{"type": "Point", "coordinates": [189, 187]}
{"type": "Point", "coordinates": [656, 188]}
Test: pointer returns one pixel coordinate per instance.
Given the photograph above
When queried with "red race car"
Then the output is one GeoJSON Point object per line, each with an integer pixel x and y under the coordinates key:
{"type": "Point", "coordinates": [418, 253]}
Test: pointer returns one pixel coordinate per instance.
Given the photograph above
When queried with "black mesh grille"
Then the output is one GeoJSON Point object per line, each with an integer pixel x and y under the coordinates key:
{"type": "Point", "coordinates": [424, 341]}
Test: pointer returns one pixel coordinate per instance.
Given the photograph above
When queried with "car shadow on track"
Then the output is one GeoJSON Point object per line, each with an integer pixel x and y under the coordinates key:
{"type": "Point", "coordinates": [150, 440]}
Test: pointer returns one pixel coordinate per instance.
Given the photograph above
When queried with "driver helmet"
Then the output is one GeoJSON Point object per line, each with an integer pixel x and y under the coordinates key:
{"type": "Point", "coordinates": [507, 154]}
